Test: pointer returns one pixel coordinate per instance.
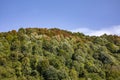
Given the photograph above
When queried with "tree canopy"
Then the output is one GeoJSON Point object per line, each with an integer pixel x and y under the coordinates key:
{"type": "Point", "coordinates": [55, 54]}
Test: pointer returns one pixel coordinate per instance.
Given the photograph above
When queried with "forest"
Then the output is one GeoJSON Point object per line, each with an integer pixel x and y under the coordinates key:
{"type": "Point", "coordinates": [55, 54]}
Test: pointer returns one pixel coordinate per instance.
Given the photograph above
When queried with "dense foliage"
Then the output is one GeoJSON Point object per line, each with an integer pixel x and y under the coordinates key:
{"type": "Point", "coordinates": [54, 54]}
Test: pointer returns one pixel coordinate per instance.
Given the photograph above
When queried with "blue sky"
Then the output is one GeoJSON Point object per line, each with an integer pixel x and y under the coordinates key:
{"type": "Point", "coordinates": [93, 17]}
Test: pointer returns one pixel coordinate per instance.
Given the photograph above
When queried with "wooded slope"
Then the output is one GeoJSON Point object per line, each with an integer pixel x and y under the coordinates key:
{"type": "Point", "coordinates": [54, 54]}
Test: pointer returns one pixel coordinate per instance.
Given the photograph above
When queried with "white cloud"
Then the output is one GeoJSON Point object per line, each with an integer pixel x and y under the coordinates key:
{"type": "Point", "coordinates": [110, 30]}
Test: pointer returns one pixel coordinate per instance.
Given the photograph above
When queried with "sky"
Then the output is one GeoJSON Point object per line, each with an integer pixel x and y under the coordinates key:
{"type": "Point", "coordinates": [91, 17]}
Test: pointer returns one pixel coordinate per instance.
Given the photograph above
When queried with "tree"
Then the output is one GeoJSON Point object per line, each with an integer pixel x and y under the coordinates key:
{"type": "Point", "coordinates": [73, 74]}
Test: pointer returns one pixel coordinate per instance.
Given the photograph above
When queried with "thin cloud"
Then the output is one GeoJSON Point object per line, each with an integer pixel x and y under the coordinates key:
{"type": "Point", "coordinates": [111, 30]}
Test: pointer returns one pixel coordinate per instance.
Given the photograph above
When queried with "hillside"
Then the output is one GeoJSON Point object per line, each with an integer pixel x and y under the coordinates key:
{"type": "Point", "coordinates": [54, 54]}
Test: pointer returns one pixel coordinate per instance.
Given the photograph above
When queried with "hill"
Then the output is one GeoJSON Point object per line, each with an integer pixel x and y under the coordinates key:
{"type": "Point", "coordinates": [54, 54]}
